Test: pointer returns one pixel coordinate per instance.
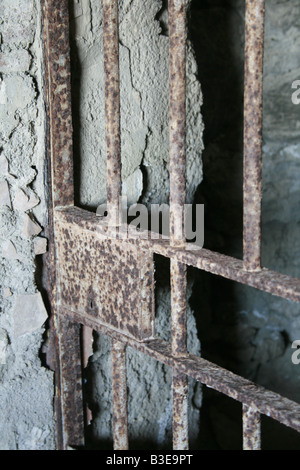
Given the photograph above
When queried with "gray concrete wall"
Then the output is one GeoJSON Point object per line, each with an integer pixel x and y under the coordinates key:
{"type": "Point", "coordinates": [26, 387]}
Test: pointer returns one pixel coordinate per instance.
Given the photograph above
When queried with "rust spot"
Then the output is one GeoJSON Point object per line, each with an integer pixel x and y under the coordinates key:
{"type": "Point", "coordinates": [113, 273]}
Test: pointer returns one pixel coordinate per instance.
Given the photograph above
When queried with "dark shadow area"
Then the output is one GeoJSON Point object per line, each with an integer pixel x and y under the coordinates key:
{"type": "Point", "coordinates": [220, 71]}
{"type": "Point", "coordinates": [159, 17]}
{"type": "Point", "coordinates": [276, 436]}
{"type": "Point", "coordinates": [221, 422]}
{"type": "Point", "coordinates": [221, 426]}
{"type": "Point", "coordinates": [40, 283]}
{"type": "Point", "coordinates": [228, 337]}
{"type": "Point", "coordinates": [239, 338]}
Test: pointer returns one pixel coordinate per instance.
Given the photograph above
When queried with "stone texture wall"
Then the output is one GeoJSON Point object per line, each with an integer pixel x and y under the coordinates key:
{"type": "Point", "coordinates": [26, 387]}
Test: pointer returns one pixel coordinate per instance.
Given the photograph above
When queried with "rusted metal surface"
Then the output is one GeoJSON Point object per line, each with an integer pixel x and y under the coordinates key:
{"type": "Point", "coordinates": [251, 429]}
{"type": "Point", "coordinates": [112, 106]}
{"type": "Point", "coordinates": [107, 284]}
{"type": "Point", "coordinates": [177, 150]}
{"type": "Point", "coordinates": [174, 355]}
{"type": "Point", "coordinates": [108, 279]}
{"type": "Point", "coordinates": [57, 80]}
{"type": "Point", "coordinates": [56, 23]}
{"type": "Point", "coordinates": [254, 40]}
{"type": "Point", "coordinates": [180, 426]}
{"type": "Point", "coordinates": [178, 308]}
{"type": "Point", "coordinates": [266, 280]}
{"type": "Point", "coordinates": [179, 349]}
{"type": "Point", "coordinates": [119, 393]}
{"type": "Point", "coordinates": [177, 117]}
{"type": "Point", "coordinates": [258, 398]}
{"type": "Point", "coordinates": [71, 382]}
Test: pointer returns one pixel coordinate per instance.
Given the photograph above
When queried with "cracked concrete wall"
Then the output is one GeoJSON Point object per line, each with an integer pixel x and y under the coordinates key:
{"type": "Point", "coordinates": [26, 387]}
{"type": "Point", "coordinates": [145, 159]}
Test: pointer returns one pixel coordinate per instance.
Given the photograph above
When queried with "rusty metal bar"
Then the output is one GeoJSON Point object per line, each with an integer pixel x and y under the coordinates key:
{"type": "Point", "coordinates": [112, 107]}
{"type": "Point", "coordinates": [114, 191]}
{"type": "Point", "coordinates": [180, 411]}
{"type": "Point", "coordinates": [177, 117]}
{"type": "Point", "coordinates": [71, 382]}
{"type": "Point", "coordinates": [119, 389]}
{"type": "Point", "coordinates": [177, 136]}
{"type": "Point", "coordinates": [272, 282]}
{"type": "Point", "coordinates": [258, 398]}
{"type": "Point", "coordinates": [251, 429]}
{"type": "Point", "coordinates": [58, 77]}
{"type": "Point", "coordinates": [179, 349]}
{"type": "Point", "coordinates": [178, 308]}
{"type": "Point", "coordinates": [63, 353]}
{"type": "Point", "coordinates": [254, 41]}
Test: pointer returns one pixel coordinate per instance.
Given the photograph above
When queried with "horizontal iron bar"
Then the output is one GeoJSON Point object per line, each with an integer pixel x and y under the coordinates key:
{"type": "Point", "coordinates": [265, 280]}
{"type": "Point", "coordinates": [259, 399]}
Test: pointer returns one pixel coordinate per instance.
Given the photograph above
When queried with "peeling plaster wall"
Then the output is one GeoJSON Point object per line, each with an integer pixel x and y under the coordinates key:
{"type": "Point", "coordinates": [26, 387]}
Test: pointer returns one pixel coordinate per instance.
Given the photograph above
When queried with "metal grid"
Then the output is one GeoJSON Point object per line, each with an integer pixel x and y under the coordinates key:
{"type": "Point", "coordinates": [127, 315]}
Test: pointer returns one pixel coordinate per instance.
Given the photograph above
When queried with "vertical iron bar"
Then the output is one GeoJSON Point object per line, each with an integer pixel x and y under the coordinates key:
{"type": "Point", "coordinates": [179, 349]}
{"type": "Point", "coordinates": [58, 77]}
{"type": "Point", "coordinates": [119, 392]}
{"type": "Point", "coordinates": [180, 411]}
{"type": "Point", "coordinates": [251, 429]}
{"type": "Point", "coordinates": [254, 41]}
{"type": "Point", "coordinates": [114, 190]}
{"type": "Point", "coordinates": [178, 304]}
{"type": "Point", "coordinates": [112, 107]}
{"type": "Point", "coordinates": [71, 382]}
{"type": "Point", "coordinates": [177, 136]}
{"type": "Point", "coordinates": [177, 116]}
{"type": "Point", "coordinates": [63, 354]}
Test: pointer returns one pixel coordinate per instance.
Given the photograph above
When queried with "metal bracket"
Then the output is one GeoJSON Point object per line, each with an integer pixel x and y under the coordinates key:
{"type": "Point", "coordinates": [110, 280]}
